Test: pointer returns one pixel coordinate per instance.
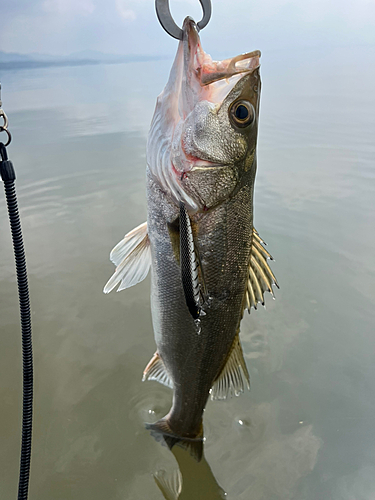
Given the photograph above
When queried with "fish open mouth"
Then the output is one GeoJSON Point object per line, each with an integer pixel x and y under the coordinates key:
{"type": "Point", "coordinates": [213, 80]}
{"type": "Point", "coordinates": [210, 71]}
{"type": "Point", "coordinates": [218, 78]}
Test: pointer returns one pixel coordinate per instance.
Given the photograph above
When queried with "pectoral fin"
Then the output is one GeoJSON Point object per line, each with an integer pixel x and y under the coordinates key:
{"type": "Point", "coordinates": [132, 256]}
{"type": "Point", "coordinates": [156, 370]}
{"type": "Point", "coordinates": [234, 376]}
{"type": "Point", "coordinates": [261, 278]}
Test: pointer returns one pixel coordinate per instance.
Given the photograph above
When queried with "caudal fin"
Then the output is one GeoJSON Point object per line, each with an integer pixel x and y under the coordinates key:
{"type": "Point", "coordinates": [162, 432]}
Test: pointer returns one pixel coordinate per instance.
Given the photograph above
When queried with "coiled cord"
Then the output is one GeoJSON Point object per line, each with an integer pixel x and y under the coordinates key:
{"type": "Point", "coordinates": [8, 175]}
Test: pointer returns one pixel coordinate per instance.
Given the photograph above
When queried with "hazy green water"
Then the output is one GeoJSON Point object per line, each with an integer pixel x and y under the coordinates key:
{"type": "Point", "coordinates": [308, 422]}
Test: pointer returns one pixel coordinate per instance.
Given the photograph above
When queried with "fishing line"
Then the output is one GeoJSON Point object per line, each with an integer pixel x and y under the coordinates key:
{"type": "Point", "coordinates": [8, 176]}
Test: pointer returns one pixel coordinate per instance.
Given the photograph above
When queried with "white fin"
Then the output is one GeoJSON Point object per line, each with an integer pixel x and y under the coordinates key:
{"type": "Point", "coordinates": [261, 278]}
{"type": "Point", "coordinates": [155, 370]}
{"type": "Point", "coordinates": [234, 376]}
{"type": "Point", "coordinates": [169, 484]}
{"type": "Point", "coordinates": [132, 256]}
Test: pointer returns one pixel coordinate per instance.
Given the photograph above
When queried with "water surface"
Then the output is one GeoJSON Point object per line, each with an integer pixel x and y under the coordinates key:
{"type": "Point", "coordinates": [306, 429]}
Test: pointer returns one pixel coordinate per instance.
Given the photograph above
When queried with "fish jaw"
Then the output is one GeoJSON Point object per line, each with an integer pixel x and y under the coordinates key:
{"type": "Point", "coordinates": [204, 79]}
{"type": "Point", "coordinates": [188, 107]}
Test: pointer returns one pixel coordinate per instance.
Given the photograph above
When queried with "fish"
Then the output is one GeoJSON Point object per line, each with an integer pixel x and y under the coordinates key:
{"type": "Point", "coordinates": [208, 263]}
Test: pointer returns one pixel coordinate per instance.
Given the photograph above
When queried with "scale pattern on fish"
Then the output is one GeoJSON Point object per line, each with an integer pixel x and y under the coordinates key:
{"type": "Point", "coordinates": [208, 263]}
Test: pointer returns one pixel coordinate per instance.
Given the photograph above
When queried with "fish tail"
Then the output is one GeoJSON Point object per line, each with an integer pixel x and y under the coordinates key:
{"type": "Point", "coordinates": [162, 432]}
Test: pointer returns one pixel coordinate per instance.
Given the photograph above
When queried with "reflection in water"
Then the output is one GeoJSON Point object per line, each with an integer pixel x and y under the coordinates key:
{"type": "Point", "coordinates": [193, 480]}
{"type": "Point", "coordinates": [261, 461]}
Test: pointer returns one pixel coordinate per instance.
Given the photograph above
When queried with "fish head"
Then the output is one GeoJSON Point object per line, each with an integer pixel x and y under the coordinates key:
{"type": "Point", "coordinates": [204, 132]}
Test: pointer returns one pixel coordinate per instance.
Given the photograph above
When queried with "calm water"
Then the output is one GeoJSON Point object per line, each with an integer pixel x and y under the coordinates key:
{"type": "Point", "coordinates": [306, 429]}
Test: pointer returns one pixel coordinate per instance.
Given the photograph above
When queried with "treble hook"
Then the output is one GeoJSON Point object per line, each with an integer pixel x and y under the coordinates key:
{"type": "Point", "coordinates": [167, 22]}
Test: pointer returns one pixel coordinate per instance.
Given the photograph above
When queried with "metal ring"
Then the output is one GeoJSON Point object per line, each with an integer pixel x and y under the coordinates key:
{"type": "Point", "coordinates": [5, 118]}
{"type": "Point", "coordinates": [3, 129]}
{"type": "Point", "coordinates": [167, 22]}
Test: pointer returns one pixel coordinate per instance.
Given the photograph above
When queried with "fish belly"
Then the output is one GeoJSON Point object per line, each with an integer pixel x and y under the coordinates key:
{"type": "Point", "coordinates": [194, 360]}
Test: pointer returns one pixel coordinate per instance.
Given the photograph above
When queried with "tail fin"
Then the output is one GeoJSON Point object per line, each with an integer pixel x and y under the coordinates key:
{"type": "Point", "coordinates": [162, 432]}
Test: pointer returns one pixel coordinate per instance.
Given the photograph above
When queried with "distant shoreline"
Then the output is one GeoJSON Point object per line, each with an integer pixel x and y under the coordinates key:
{"type": "Point", "coordinates": [16, 65]}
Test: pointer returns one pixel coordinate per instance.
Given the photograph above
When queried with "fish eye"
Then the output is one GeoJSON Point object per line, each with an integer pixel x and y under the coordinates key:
{"type": "Point", "coordinates": [242, 113]}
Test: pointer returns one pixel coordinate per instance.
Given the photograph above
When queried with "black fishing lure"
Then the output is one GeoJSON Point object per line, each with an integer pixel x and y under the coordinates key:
{"type": "Point", "coordinates": [189, 266]}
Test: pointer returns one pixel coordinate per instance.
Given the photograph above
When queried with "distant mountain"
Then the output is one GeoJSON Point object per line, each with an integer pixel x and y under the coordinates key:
{"type": "Point", "coordinates": [9, 60]}
{"type": "Point", "coordinates": [92, 55]}
{"type": "Point", "coordinates": [12, 57]}
{"type": "Point", "coordinates": [96, 56]}
{"type": "Point", "coordinates": [36, 56]}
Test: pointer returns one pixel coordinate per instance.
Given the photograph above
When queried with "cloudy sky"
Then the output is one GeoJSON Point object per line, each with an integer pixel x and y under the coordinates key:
{"type": "Point", "coordinates": [131, 27]}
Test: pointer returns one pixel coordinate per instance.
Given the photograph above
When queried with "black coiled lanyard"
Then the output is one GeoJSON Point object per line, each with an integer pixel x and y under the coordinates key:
{"type": "Point", "coordinates": [8, 176]}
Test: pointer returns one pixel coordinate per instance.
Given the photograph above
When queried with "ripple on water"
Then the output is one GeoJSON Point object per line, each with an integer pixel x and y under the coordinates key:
{"type": "Point", "coordinates": [151, 404]}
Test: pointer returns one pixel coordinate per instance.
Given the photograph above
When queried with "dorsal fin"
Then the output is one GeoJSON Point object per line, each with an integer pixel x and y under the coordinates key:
{"type": "Point", "coordinates": [261, 278]}
{"type": "Point", "coordinates": [132, 256]}
{"type": "Point", "coordinates": [234, 376]}
{"type": "Point", "coordinates": [155, 370]}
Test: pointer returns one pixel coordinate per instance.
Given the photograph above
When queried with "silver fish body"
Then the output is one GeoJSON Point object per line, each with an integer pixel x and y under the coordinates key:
{"type": "Point", "coordinates": [194, 361]}
{"type": "Point", "coordinates": [201, 154]}
{"type": "Point", "coordinates": [217, 186]}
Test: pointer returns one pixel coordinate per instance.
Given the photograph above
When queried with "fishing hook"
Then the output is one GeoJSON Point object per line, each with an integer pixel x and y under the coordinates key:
{"type": "Point", "coordinates": [167, 22]}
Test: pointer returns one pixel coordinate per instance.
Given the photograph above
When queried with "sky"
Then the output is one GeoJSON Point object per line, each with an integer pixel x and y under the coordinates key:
{"type": "Point", "coordinates": [130, 26]}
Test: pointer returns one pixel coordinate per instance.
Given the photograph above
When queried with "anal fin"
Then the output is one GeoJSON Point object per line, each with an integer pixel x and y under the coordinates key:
{"type": "Point", "coordinates": [234, 376]}
{"type": "Point", "coordinates": [155, 370]}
